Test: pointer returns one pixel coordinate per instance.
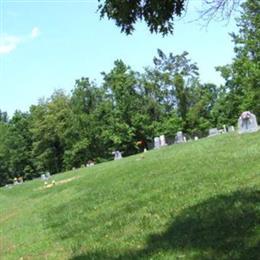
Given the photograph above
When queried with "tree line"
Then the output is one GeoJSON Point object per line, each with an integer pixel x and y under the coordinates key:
{"type": "Point", "coordinates": [67, 130]}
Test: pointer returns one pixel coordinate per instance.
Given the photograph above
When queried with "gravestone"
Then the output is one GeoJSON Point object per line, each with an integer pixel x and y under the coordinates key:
{"type": "Point", "coordinates": [15, 181]}
{"type": "Point", "coordinates": [90, 163]}
{"type": "Point", "coordinates": [162, 140]}
{"type": "Point", "coordinates": [117, 155]}
{"type": "Point", "coordinates": [213, 131]}
{"type": "Point", "coordinates": [231, 129]}
{"type": "Point", "coordinates": [196, 138]}
{"type": "Point", "coordinates": [247, 123]}
{"type": "Point", "coordinates": [157, 142]}
{"type": "Point", "coordinates": [45, 176]}
{"type": "Point", "coordinates": [48, 175]}
{"type": "Point", "coordinates": [180, 138]}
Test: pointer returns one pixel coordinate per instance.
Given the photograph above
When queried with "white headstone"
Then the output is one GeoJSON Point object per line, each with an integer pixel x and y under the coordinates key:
{"type": "Point", "coordinates": [157, 142]}
{"type": "Point", "coordinates": [231, 129]}
{"type": "Point", "coordinates": [247, 123]}
{"type": "Point", "coordinates": [90, 163]}
{"type": "Point", "coordinates": [43, 177]}
{"type": "Point", "coordinates": [15, 181]}
{"type": "Point", "coordinates": [213, 131]}
{"type": "Point", "coordinates": [180, 138]}
{"type": "Point", "coordinates": [117, 155]}
{"type": "Point", "coordinates": [196, 138]}
{"type": "Point", "coordinates": [162, 140]}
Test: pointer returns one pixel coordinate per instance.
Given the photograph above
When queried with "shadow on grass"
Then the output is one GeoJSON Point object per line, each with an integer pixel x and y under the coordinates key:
{"type": "Point", "coordinates": [223, 227]}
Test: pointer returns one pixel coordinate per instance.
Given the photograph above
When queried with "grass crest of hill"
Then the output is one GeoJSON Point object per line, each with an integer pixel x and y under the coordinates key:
{"type": "Point", "coordinates": [199, 200]}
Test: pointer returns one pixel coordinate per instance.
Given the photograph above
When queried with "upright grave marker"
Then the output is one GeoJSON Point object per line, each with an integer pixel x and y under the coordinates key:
{"type": "Point", "coordinates": [213, 131]}
{"type": "Point", "coordinates": [157, 143]}
{"type": "Point", "coordinates": [180, 138]}
{"type": "Point", "coordinates": [247, 123]}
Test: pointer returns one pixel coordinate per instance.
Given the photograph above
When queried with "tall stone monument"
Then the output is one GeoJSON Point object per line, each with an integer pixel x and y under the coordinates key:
{"type": "Point", "coordinates": [247, 123]}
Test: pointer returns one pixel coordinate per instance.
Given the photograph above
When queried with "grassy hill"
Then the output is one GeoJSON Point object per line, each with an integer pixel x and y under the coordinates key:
{"type": "Point", "coordinates": [199, 200]}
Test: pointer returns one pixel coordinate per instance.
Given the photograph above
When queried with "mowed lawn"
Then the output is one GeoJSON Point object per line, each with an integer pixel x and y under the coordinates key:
{"type": "Point", "coordinates": [199, 200]}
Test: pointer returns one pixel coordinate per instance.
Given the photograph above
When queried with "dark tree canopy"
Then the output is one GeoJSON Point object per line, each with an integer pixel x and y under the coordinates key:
{"type": "Point", "coordinates": [159, 14]}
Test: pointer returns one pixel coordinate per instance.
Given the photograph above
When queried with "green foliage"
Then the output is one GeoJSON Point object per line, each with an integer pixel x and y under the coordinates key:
{"type": "Point", "coordinates": [19, 144]}
{"type": "Point", "coordinates": [50, 121]}
{"type": "Point", "coordinates": [159, 16]}
{"type": "Point", "coordinates": [242, 87]}
{"type": "Point", "coordinates": [4, 172]}
{"type": "Point", "coordinates": [3, 117]}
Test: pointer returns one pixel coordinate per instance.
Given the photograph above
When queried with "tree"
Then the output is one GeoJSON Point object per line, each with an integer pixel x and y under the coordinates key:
{"type": "Point", "coordinates": [121, 88]}
{"type": "Point", "coordinates": [19, 143]}
{"type": "Point", "coordinates": [4, 171]}
{"type": "Point", "coordinates": [3, 116]}
{"type": "Point", "coordinates": [242, 86]}
{"type": "Point", "coordinates": [202, 99]}
{"type": "Point", "coordinates": [50, 121]}
{"type": "Point", "coordinates": [218, 9]}
{"type": "Point", "coordinates": [84, 136]}
{"type": "Point", "coordinates": [177, 74]}
{"type": "Point", "coordinates": [159, 15]}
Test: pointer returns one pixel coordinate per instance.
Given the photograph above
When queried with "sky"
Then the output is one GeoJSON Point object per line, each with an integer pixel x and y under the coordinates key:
{"type": "Point", "coordinates": [47, 45]}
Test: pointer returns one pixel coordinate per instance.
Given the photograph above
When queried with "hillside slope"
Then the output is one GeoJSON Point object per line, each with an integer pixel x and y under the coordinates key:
{"type": "Point", "coordinates": [199, 200]}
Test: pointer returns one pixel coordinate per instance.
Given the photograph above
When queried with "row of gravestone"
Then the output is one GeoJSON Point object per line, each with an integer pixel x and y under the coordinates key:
{"type": "Point", "coordinates": [216, 131]}
{"type": "Point", "coordinates": [161, 140]}
{"type": "Point", "coordinates": [247, 123]}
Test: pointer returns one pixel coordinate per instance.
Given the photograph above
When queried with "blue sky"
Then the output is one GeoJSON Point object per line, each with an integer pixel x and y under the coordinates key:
{"type": "Point", "coordinates": [47, 45]}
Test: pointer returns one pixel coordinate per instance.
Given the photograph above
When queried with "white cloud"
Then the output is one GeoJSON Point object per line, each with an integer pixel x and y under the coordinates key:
{"type": "Point", "coordinates": [9, 43]}
{"type": "Point", "coordinates": [35, 32]}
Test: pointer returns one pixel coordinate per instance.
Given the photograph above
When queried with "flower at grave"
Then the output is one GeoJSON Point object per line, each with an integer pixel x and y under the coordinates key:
{"type": "Point", "coordinates": [140, 142]}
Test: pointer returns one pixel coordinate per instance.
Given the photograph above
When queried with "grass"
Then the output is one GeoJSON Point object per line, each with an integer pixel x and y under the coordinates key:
{"type": "Point", "coordinates": [199, 200]}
